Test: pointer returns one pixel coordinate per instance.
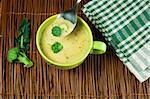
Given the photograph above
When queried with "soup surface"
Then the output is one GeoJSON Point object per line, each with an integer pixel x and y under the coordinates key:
{"type": "Point", "coordinates": [75, 45]}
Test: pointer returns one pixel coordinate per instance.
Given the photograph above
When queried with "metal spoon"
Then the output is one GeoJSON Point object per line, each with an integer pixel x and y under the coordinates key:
{"type": "Point", "coordinates": [70, 15]}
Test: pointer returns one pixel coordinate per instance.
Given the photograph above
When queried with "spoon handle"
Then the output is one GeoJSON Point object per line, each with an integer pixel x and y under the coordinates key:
{"type": "Point", "coordinates": [78, 1]}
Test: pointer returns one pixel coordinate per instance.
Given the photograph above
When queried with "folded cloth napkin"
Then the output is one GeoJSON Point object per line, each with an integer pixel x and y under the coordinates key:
{"type": "Point", "coordinates": [126, 26]}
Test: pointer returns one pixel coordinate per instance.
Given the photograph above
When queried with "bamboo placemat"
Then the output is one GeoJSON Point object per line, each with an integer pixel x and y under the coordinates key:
{"type": "Point", "coordinates": [100, 76]}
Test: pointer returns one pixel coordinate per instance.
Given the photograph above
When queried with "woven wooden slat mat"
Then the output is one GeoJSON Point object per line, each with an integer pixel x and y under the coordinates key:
{"type": "Point", "coordinates": [100, 76]}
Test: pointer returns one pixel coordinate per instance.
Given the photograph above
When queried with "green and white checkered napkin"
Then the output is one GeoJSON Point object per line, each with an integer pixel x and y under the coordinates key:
{"type": "Point", "coordinates": [126, 26]}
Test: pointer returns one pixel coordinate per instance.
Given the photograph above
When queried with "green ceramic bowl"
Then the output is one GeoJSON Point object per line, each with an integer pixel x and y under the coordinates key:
{"type": "Point", "coordinates": [95, 47]}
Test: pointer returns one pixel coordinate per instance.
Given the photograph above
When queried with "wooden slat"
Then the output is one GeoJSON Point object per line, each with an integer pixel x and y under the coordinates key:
{"type": "Point", "coordinates": [100, 76]}
{"type": "Point", "coordinates": [1, 46]}
{"type": "Point", "coordinates": [0, 6]}
{"type": "Point", "coordinates": [1, 68]}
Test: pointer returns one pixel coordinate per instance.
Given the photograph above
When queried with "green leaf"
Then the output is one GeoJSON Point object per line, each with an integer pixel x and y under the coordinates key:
{"type": "Point", "coordinates": [24, 27]}
{"type": "Point", "coordinates": [24, 32]}
{"type": "Point", "coordinates": [56, 31]}
{"type": "Point", "coordinates": [56, 47]}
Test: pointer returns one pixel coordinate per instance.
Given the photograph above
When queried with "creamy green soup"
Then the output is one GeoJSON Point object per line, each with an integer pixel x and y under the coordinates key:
{"type": "Point", "coordinates": [75, 45]}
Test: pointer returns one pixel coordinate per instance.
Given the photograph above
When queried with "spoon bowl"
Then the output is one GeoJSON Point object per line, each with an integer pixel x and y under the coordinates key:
{"type": "Point", "coordinates": [70, 15]}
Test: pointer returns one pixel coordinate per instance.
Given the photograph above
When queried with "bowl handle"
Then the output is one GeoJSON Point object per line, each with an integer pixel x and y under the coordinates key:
{"type": "Point", "coordinates": [99, 47]}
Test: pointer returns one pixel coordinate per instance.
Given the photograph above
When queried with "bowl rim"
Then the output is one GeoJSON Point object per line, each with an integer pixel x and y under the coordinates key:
{"type": "Point", "coordinates": [63, 64]}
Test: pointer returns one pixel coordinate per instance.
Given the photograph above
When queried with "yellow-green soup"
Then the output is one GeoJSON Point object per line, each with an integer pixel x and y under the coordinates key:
{"type": "Point", "coordinates": [75, 45]}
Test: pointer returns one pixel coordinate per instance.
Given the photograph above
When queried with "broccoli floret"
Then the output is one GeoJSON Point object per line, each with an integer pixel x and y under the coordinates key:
{"type": "Point", "coordinates": [12, 54]}
{"type": "Point", "coordinates": [56, 31]}
{"type": "Point", "coordinates": [15, 55]}
{"type": "Point", "coordinates": [18, 53]}
{"type": "Point", "coordinates": [57, 47]}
